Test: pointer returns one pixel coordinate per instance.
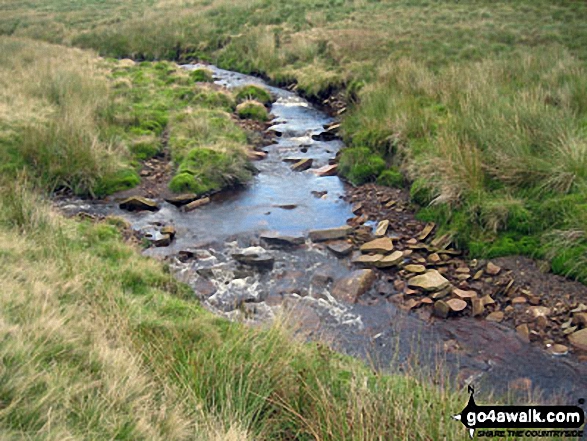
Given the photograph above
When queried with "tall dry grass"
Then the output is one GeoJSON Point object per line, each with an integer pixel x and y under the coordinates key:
{"type": "Point", "coordinates": [55, 105]}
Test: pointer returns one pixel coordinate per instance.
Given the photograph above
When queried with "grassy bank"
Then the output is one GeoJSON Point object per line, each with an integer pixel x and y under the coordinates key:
{"type": "Point", "coordinates": [480, 106]}
{"type": "Point", "coordinates": [101, 343]}
{"type": "Point", "coordinates": [84, 124]}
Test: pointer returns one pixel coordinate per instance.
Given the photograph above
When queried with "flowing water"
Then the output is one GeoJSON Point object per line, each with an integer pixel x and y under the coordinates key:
{"type": "Point", "coordinates": [279, 200]}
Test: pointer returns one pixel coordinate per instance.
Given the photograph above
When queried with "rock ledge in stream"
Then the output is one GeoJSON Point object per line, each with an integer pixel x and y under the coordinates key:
{"type": "Point", "coordinates": [255, 256]}
{"type": "Point", "coordinates": [182, 199]}
{"type": "Point", "coordinates": [277, 240]}
{"type": "Point", "coordinates": [330, 234]}
{"type": "Point", "coordinates": [138, 203]}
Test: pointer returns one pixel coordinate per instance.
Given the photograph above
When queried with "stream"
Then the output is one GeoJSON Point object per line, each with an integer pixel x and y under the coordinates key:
{"type": "Point", "coordinates": [300, 278]}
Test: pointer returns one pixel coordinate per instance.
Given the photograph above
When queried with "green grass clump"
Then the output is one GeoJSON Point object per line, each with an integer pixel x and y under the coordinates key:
{"type": "Point", "coordinates": [252, 92]}
{"type": "Point", "coordinates": [203, 170]}
{"type": "Point", "coordinates": [145, 147]}
{"type": "Point", "coordinates": [360, 165]}
{"type": "Point", "coordinates": [201, 75]}
{"type": "Point", "coordinates": [252, 110]}
{"type": "Point", "coordinates": [391, 178]}
{"type": "Point", "coordinates": [117, 181]}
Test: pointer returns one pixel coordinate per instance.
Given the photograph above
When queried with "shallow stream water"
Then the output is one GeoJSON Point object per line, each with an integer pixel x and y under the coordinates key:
{"type": "Point", "coordinates": [489, 355]}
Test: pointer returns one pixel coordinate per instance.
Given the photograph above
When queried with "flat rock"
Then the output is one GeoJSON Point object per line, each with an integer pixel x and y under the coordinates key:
{"type": "Point", "coordinates": [539, 311]}
{"type": "Point", "coordinates": [182, 199]}
{"type": "Point", "coordinates": [579, 339]}
{"type": "Point", "coordinates": [426, 231]}
{"type": "Point", "coordinates": [330, 234]}
{"type": "Point", "coordinates": [382, 245]}
{"type": "Point", "coordinates": [327, 170]}
{"type": "Point", "coordinates": [430, 281]}
{"type": "Point", "coordinates": [415, 269]}
{"type": "Point", "coordinates": [138, 203]}
{"type": "Point", "coordinates": [368, 259]}
{"type": "Point", "coordinates": [196, 204]}
{"type": "Point", "coordinates": [558, 349]}
{"type": "Point", "coordinates": [492, 269]}
{"type": "Point", "coordinates": [277, 240]}
{"type": "Point", "coordinates": [302, 165]}
{"type": "Point", "coordinates": [340, 249]}
{"type": "Point", "coordinates": [393, 259]}
{"type": "Point", "coordinates": [456, 305]}
{"type": "Point", "coordinates": [462, 294]}
{"type": "Point", "coordinates": [350, 288]}
{"type": "Point", "coordinates": [382, 228]}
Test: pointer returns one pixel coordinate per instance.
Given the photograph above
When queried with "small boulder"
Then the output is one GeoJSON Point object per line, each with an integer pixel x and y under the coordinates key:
{"type": "Point", "coordinates": [138, 203]}
{"type": "Point", "coordinates": [350, 288]}
{"type": "Point", "coordinates": [477, 306]}
{"type": "Point", "coordinates": [441, 309]}
{"type": "Point", "coordinates": [430, 281]}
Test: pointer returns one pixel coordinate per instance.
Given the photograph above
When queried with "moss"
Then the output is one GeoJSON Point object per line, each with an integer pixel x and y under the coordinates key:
{"type": "Point", "coordinates": [252, 92]}
{"type": "Point", "coordinates": [118, 181]}
{"type": "Point", "coordinates": [204, 170]}
{"type": "Point", "coordinates": [145, 147]}
{"type": "Point", "coordinates": [202, 75]}
{"type": "Point", "coordinates": [391, 178]}
{"type": "Point", "coordinates": [186, 182]}
{"type": "Point", "coordinates": [505, 245]}
{"type": "Point", "coordinates": [360, 165]}
{"type": "Point", "coordinates": [252, 110]}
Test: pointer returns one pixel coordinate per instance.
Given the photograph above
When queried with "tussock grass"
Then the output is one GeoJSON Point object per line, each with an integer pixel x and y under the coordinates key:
{"type": "Point", "coordinates": [54, 102]}
{"type": "Point", "coordinates": [490, 145]}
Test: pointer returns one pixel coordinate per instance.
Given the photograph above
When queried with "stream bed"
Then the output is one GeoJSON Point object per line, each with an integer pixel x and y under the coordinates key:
{"type": "Point", "coordinates": [299, 277]}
